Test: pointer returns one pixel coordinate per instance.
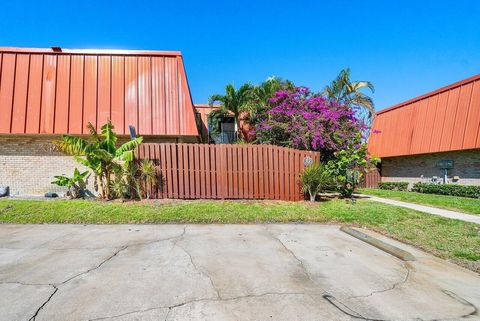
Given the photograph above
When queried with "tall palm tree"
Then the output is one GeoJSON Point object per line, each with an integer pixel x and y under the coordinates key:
{"type": "Point", "coordinates": [261, 95]}
{"type": "Point", "coordinates": [269, 87]}
{"type": "Point", "coordinates": [233, 102]}
{"type": "Point", "coordinates": [350, 92]}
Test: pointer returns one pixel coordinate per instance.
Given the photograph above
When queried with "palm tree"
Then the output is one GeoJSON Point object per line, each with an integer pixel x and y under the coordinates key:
{"type": "Point", "coordinates": [261, 95]}
{"type": "Point", "coordinates": [100, 153]}
{"type": "Point", "coordinates": [233, 102]}
{"type": "Point", "coordinates": [269, 87]}
{"type": "Point", "coordinates": [350, 92]}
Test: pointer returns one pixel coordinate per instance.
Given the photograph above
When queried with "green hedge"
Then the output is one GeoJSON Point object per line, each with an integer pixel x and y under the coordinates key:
{"type": "Point", "coordinates": [447, 189]}
{"type": "Point", "coordinates": [393, 186]}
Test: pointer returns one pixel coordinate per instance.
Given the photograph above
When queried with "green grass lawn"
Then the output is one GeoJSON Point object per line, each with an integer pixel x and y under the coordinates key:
{"type": "Point", "coordinates": [455, 203]}
{"type": "Point", "coordinates": [451, 239]}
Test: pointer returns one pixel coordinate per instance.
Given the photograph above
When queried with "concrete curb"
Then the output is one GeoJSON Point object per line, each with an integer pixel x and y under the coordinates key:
{"type": "Point", "coordinates": [390, 249]}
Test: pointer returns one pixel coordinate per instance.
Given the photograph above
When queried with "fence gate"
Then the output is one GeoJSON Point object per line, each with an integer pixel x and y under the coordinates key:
{"type": "Point", "coordinates": [201, 171]}
{"type": "Point", "coordinates": [371, 179]}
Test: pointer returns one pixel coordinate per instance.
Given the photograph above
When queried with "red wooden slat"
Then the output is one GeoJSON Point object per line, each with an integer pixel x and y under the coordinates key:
{"type": "Point", "coordinates": [203, 176]}
{"type": "Point", "coordinates": [181, 185]}
{"type": "Point", "coordinates": [227, 171]}
{"type": "Point", "coordinates": [261, 175]}
{"type": "Point", "coordinates": [191, 170]}
{"type": "Point", "coordinates": [266, 183]}
{"type": "Point", "coordinates": [212, 163]}
{"type": "Point", "coordinates": [240, 172]}
{"type": "Point", "coordinates": [221, 171]}
{"type": "Point", "coordinates": [281, 172]}
{"type": "Point", "coordinates": [164, 159]}
{"type": "Point", "coordinates": [186, 173]}
{"type": "Point", "coordinates": [234, 172]}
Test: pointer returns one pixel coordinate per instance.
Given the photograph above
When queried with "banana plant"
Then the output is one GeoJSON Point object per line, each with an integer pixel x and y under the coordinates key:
{"type": "Point", "coordinates": [100, 153]}
{"type": "Point", "coordinates": [75, 184]}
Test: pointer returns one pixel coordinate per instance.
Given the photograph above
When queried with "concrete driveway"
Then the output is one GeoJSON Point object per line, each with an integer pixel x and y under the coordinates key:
{"type": "Point", "coordinates": [221, 272]}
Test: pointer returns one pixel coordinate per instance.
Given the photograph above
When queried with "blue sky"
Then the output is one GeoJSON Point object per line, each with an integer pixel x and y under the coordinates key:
{"type": "Point", "coordinates": [405, 48]}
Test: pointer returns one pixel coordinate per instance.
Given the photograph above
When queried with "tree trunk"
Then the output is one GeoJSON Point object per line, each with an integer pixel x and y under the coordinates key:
{"type": "Point", "coordinates": [107, 184]}
{"type": "Point", "coordinates": [312, 196]}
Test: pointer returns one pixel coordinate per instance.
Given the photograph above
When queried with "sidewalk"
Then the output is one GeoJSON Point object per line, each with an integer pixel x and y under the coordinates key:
{"type": "Point", "coordinates": [426, 209]}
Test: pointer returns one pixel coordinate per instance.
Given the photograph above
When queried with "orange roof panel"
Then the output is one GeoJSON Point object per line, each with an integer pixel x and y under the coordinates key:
{"type": "Point", "coordinates": [43, 91]}
{"type": "Point", "coordinates": [446, 119]}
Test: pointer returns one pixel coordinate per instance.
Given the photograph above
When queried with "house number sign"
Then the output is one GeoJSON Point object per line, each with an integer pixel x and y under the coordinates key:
{"type": "Point", "coordinates": [307, 161]}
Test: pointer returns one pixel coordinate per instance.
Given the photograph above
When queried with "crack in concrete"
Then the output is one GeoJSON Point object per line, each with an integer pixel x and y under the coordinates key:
{"type": "Point", "coordinates": [123, 248]}
{"type": "Point", "coordinates": [172, 307]}
{"type": "Point", "coordinates": [300, 262]}
{"type": "Point", "coordinates": [201, 271]}
{"type": "Point", "coordinates": [56, 285]}
{"type": "Point", "coordinates": [26, 284]}
{"type": "Point", "coordinates": [394, 286]}
{"type": "Point", "coordinates": [33, 318]}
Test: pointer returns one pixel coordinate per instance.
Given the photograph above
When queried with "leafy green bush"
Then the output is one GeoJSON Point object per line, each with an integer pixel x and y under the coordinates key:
{"type": "Point", "coordinates": [349, 165]}
{"type": "Point", "coordinates": [393, 186]}
{"type": "Point", "coordinates": [316, 179]}
{"type": "Point", "coordinates": [76, 184]}
{"type": "Point", "coordinates": [448, 189]}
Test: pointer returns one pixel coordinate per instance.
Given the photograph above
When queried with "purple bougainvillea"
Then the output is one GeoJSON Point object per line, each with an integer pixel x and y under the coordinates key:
{"type": "Point", "coordinates": [303, 120]}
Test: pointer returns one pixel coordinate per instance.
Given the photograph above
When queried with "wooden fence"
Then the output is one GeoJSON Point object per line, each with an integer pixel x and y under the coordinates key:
{"type": "Point", "coordinates": [201, 171]}
{"type": "Point", "coordinates": [371, 179]}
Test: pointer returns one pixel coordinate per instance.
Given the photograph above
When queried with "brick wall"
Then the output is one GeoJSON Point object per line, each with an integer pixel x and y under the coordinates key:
{"type": "Point", "coordinates": [28, 164]}
{"type": "Point", "coordinates": [421, 168]}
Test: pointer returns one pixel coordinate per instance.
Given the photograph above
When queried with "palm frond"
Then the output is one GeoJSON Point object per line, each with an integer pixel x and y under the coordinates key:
{"type": "Point", "coordinates": [110, 138]}
{"type": "Point", "coordinates": [73, 145]}
{"type": "Point", "coordinates": [129, 146]}
{"type": "Point", "coordinates": [93, 133]}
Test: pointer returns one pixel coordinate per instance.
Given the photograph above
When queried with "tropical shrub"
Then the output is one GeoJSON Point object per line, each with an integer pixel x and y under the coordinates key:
{"type": "Point", "coordinates": [349, 165]}
{"type": "Point", "coordinates": [303, 120]}
{"type": "Point", "coordinates": [447, 189]}
{"type": "Point", "coordinates": [100, 154]}
{"type": "Point", "coordinates": [393, 186]}
{"type": "Point", "coordinates": [76, 184]}
{"type": "Point", "coordinates": [315, 179]}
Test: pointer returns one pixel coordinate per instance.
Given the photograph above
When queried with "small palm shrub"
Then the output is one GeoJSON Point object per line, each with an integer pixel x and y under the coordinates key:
{"type": "Point", "coordinates": [316, 179]}
{"type": "Point", "coordinates": [76, 184]}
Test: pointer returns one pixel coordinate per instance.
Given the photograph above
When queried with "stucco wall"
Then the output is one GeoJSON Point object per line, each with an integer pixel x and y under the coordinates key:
{"type": "Point", "coordinates": [28, 164]}
{"type": "Point", "coordinates": [421, 168]}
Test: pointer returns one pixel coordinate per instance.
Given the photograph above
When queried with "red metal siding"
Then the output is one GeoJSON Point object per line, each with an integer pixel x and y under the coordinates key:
{"type": "Point", "coordinates": [444, 120]}
{"type": "Point", "coordinates": [46, 92]}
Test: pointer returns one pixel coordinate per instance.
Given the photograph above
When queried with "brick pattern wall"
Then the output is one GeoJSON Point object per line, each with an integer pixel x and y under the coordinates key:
{"type": "Point", "coordinates": [28, 164]}
{"type": "Point", "coordinates": [421, 168]}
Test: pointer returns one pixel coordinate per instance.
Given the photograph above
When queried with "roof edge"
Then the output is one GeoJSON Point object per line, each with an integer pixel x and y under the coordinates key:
{"type": "Point", "coordinates": [207, 106]}
{"type": "Point", "coordinates": [91, 51]}
{"type": "Point", "coordinates": [431, 93]}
